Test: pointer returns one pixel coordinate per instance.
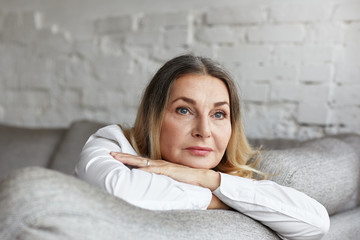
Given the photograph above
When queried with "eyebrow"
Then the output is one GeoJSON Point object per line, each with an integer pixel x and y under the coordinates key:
{"type": "Point", "coordinates": [193, 102]}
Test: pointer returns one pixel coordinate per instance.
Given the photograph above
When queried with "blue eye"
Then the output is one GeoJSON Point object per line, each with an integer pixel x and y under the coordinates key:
{"type": "Point", "coordinates": [219, 115]}
{"type": "Point", "coordinates": [183, 110]}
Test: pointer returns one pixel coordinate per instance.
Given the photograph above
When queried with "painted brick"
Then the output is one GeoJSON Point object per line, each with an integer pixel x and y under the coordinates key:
{"type": "Point", "coordinates": [50, 44]}
{"type": "Point", "coordinates": [8, 72]}
{"type": "Point", "coordinates": [112, 44]}
{"type": "Point", "coordinates": [1, 20]}
{"type": "Point", "coordinates": [134, 84]}
{"type": "Point", "coordinates": [309, 132]}
{"type": "Point", "coordinates": [244, 54]}
{"type": "Point", "coordinates": [32, 20]}
{"type": "Point", "coordinates": [307, 54]}
{"type": "Point", "coordinates": [313, 114]}
{"type": "Point", "coordinates": [270, 72]}
{"type": "Point", "coordinates": [350, 118]}
{"type": "Point", "coordinates": [177, 37]}
{"type": "Point", "coordinates": [300, 12]}
{"type": "Point", "coordinates": [11, 21]}
{"type": "Point", "coordinates": [276, 33]}
{"type": "Point", "coordinates": [347, 11]}
{"type": "Point", "coordinates": [348, 73]}
{"type": "Point", "coordinates": [2, 113]}
{"type": "Point", "coordinates": [95, 97]}
{"type": "Point", "coordinates": [25, 99]}
{"type": "Point", "coordinates": [67, 98]}
{"type": "Point", "coordinates": [315, 73]}
{"type": "Point", "coordinates": [113, 24]}
{"type": "Point", "coordinates": [236, 15]}
{"type": "Point", "coordinates": [111, 69]}
{"type": "Point", "coordinates": [347, 95]}
{"type": "Point", "coordinates": [19, 28]}
{"type": "Point", "coordinates": [143, 37]}
{"type": "Point", "coordinates": [285, 92]}
{"type": "Point", "coordinates": [74, 73]}
{"type": "Point", "coordinates": [268, 120]}
{"type": "Point", "coordinates": [177, 19]}
{"type": "Point", "coordinates": [348, 54]}
{"type": "Point", "coordinates": [86, 48]}
{"type": "Point", "coordinates": [216, 34]}
{"type": "Point", "coordinates": [163, 54]}
{"type": "Point", "coordinates": [324, 32]}
{"type": "Point", "coordinates": [202, 50]}
{"type": "Point", "coordinates": [240, 34]}
{"type": "Point", "coordinates": [352, 33]}
{"type": "Point", "coordinates": [314, 94]}
{"type": "Point", "coordinates": [35, 73]}
{"type": "Point", "coordinates": [289, 78]}
{"type": "Point", "coordinates": [19, 115]}
{"type": "Point", "coordinates": [255, 93]}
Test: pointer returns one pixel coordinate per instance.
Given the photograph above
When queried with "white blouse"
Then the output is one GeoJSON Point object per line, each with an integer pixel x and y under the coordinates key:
{"type": "Point", "coordinates": [290, 213]}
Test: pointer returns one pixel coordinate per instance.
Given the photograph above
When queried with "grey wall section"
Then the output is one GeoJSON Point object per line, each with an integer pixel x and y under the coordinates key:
{"type": "Point", "coordinates": [297, 63]}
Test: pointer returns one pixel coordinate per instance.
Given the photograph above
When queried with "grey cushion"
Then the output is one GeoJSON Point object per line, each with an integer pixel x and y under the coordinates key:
{"type": "Point", "coordinates": [276, 143]}
{"type": "Point", "coordinates": [22, 147]}
{"type": "Point", "coordinates": [345, 226]}
{"type": "Point", "coordinates": [68, 152]}
{"type": "Point", "coordinates": [325, 169]}
{"type": "Point", "coordinates": [43, 204]}
{"type": "Point", "coordinates": [353, 140]}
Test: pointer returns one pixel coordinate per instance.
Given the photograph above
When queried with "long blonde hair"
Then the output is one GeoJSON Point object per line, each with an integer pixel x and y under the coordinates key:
{"type": "Point", "coordinates": [145, 135]}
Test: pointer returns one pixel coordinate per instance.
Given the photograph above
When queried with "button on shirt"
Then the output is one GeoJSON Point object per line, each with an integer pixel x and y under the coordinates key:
{"type": "Point", "coordinates": [290, 213]}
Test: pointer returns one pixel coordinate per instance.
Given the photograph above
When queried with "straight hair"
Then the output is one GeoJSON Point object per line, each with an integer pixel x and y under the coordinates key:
{"type": "Point", "coordinates": [239, 159]}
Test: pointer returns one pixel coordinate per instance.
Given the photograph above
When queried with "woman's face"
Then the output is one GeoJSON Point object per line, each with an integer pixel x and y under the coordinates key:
{"type": "Point", "coordinates": [196, 127]}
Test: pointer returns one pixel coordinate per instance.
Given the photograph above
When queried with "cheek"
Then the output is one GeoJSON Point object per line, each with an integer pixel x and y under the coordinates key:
{"type": "Point", "coordinates": [170, 136]}
{"type": "Point", "coordinates": [222, 137]}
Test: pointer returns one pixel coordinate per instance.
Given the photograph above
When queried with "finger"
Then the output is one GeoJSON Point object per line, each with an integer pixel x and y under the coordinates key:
{"type": "Point", "coordinates": [131, 159]}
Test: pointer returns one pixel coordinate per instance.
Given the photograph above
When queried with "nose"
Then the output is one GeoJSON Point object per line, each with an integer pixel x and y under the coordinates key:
{"type": "Point", "coordinates": [201, 128]}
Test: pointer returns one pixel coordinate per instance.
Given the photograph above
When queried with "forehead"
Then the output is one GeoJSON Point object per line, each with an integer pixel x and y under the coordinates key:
{"type": "Point", "coordinates": [200, 86]}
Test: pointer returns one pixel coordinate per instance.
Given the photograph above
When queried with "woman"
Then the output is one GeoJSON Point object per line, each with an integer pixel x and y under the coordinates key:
{"type": "Point", "coordinates": [187, 150]}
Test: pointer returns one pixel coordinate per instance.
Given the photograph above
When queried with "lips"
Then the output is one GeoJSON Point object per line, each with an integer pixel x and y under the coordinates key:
{"type": "Point", "coordinates": [199, 151]}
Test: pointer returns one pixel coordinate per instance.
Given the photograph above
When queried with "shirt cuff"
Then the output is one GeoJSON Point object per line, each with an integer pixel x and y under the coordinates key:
{"type": "Point", "coordinates": [228, 191]}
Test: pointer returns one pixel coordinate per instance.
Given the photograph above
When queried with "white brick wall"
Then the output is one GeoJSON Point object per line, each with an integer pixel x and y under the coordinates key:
{"type": "Point", "coordinates": [297, 62]}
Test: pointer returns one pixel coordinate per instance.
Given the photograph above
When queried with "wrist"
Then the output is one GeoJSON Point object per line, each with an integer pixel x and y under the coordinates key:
{"type": "Point", "coordinates": [209, 179]}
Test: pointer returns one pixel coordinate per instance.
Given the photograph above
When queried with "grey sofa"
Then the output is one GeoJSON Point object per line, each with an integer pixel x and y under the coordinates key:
{"type": "Point", "coordinates": [40, 199]}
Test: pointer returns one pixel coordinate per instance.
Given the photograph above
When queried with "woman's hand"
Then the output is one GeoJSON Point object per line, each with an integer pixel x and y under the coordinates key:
{"type": "Point", "coordinates": [200, 177]}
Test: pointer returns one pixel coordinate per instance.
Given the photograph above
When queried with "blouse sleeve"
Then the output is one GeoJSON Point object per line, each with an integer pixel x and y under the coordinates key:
{"type": "Point", "coordinates": [147, 190]}
{"type": "Point", "coordinates": [290, 213]}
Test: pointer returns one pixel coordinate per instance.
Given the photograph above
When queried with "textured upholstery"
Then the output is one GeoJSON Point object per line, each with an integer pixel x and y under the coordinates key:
{"type": "Point", "coordinates": [345, 226]}
{"type": "Point", "coordinates": [21, 147]}
{"type": "Point", "coordinates": [325, 169]}
{"type": "Point", "coordinates": [68, 152]}
{"type": "Point", "coordinates": [77, 210]}
{"type": "Point", "coordinates": [37, 203]}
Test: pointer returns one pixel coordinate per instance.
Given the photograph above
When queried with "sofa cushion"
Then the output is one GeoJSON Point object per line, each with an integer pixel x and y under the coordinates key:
{"type": "Point", "coordinates": [68, 152]}
{"type": "Point", "coordinates": [274, 143]}
{"type": "Point", "coordinates": [21, 147]}
{"type": "Point", "coordinates": [326, 169]}
{"type": "Point", "coordinates": [43, 204]}
{"type": "Point", "coordinates": [344, 225]}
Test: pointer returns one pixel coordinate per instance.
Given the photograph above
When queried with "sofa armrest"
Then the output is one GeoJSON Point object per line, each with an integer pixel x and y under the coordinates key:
{"type": "Point", "coordinates": [326, 169]}
{"type": "Point", "coordinates": [38, 203]}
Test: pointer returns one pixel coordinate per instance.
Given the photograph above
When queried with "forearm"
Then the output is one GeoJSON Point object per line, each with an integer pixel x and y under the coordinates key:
{"type": "Point", "coordinates": [216, 203]}
{"type": "Point", "coordinates": [287, 211]}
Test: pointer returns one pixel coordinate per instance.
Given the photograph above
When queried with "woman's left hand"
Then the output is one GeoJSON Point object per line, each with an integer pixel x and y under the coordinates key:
{"type": "Point", "coordinates": [200, 177]}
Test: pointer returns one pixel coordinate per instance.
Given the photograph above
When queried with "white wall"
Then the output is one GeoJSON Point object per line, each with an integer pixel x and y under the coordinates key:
{"type": "Point", "coordinates": [297, 62]}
